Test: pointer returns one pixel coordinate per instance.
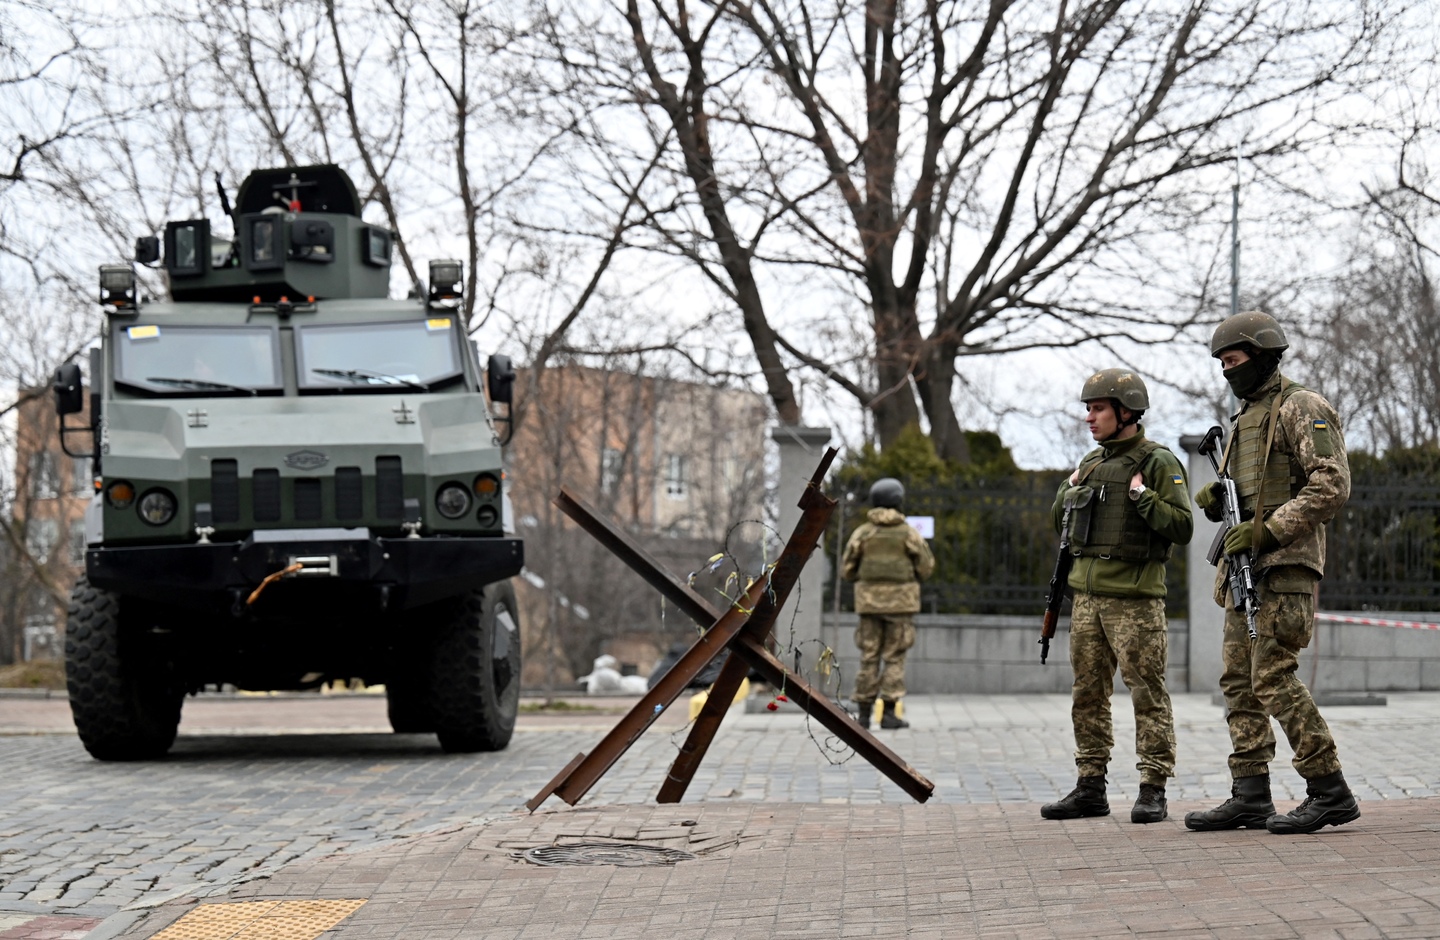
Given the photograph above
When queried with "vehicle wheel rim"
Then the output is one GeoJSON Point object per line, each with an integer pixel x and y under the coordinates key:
{"type": "Point", "coordinates": [502, 641]}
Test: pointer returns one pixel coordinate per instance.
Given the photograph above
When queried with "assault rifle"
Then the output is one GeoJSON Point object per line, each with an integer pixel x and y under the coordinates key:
{"type": "Point", "coordinates": [1242, 576]}
{"type": "Point", "coordinates": [1064, 561]}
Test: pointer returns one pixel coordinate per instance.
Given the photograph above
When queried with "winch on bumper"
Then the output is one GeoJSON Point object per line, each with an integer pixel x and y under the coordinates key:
{"type": "Point", "coordinates": [404, 572]}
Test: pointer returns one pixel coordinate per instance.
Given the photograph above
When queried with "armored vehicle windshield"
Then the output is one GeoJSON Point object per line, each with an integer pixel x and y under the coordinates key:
{"type": "Point", "coordinates": [357, 356]}
{"type": "Point", "coordinates": [198, 360]}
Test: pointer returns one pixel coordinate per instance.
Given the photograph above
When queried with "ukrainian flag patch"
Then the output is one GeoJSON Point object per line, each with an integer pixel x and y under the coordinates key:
{"type": "Point", "coordinates": [1320, 435]}
{"type": "Point", "coordinates": [1320, 424]}
{"type": "Point", "coordinates": [1177, 479]}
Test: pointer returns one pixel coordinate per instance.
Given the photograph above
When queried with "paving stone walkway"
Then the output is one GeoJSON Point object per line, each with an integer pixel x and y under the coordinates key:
{"type": "Point", "coordinates": [934, 872]}
{"type": "Point", "coordinates": [257, 787]}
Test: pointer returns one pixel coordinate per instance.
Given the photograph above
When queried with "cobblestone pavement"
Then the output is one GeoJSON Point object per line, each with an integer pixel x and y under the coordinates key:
{"type": "Point", "coordinates": [255, 784]}
{"type": "Point", "coordinates": [817, 872]}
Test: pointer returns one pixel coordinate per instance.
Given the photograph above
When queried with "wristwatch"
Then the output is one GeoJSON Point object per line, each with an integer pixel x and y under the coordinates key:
{"type": "Point", "coordinates": [1135, 491]}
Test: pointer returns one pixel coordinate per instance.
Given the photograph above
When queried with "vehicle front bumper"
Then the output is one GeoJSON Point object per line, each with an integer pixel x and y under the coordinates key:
{"type": "Point", "coordinates": [403, 572]}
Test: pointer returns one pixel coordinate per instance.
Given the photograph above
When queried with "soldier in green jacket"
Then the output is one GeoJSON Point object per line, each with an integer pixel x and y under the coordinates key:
{"type": "Point", "coordinates": [887, 559]}
{"type": "Point", "coordinates": [1287, 458]}
{"type": "Point", "coordinates": [1128, 506]}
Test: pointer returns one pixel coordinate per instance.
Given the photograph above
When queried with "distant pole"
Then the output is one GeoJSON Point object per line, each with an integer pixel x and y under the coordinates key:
{"type": "Point", "coordinates": [1235, 239]}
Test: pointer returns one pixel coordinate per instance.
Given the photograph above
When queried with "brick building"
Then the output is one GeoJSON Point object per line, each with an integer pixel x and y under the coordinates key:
{"type": "Point", "coordinates": [44, 545]}
{"type": "Point", "coordinates": [677, 463]}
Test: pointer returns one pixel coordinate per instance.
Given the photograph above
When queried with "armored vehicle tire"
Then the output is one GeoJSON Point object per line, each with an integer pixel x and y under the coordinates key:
{"type": "Point", "coordinates": [125, 703]}
{"type": "Point", "coordinates": [475, 670]}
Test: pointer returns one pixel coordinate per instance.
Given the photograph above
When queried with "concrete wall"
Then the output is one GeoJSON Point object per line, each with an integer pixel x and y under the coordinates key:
{"type": "Point", "coordinates": [963, 653]}
{"type": "Point", "coordinates": [978, 653]}
{"type": "Point", "coordinates": [1347, 657]}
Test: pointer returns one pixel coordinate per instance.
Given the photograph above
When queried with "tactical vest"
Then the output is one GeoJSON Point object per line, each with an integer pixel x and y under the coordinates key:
{"type": "Point", "coordinates": [884, 557]}
{"type": "Point", "coordinates": [1278, 478]}
{"type": "Point", "coordinates": [1110, 526]}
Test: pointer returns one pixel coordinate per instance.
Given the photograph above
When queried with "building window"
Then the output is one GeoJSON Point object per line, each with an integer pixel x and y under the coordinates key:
{"type": "Point", "coordinates": [40, 538]}
{"type": "Point", "coordinates": [612, 464]}
{"type": "Point", "coordinates": [44, 475]}
{"type": "Point", "coordinates": [676, 485]}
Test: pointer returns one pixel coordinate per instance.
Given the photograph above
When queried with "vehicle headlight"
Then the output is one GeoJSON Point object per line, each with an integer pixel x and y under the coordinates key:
{"type": "Point", "coordinates": [487, 485]}
{"type": "Point", "coordinates": [157, 507]}
{"type": "Point", "coordinates": [487, 517]}
{"type": "Point", "coordinates": [120, 494]}
{"type": "Point", "coordinates": [452, 500]}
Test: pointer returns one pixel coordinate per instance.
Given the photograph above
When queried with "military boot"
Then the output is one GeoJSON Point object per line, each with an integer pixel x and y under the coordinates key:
{"type": "Point", "coordinates": [1248, 807]}
{"type": "Point", "coordinates": [863, 711]}
{"type": "Point", "coordinates": [889, 720]}
{"type": "Point", "coordinates": [1328, 802]}
{"type": "Point", "coordinates": [1087, 799]}
{"type": "Point", "coordinates": [1150, 805]}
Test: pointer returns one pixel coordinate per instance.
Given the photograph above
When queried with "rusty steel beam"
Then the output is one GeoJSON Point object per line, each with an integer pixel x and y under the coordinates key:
{"type": "Point", "coordinates": [619, 544]}
{"type": "Point", "coordinates": [761, 600]}
{"type": "Point", "coordinates": [534, 802]}
{"type": "Point", "coordinates": [702, 732]}
{"type": "Point", "coordinates": [809, 529]}
{"type": "Point", "coordinates": [835, 719]}
{"type": "Point", "coordinates": [744, 629]}
{"type": "Point", "coordinates": [665, 690]}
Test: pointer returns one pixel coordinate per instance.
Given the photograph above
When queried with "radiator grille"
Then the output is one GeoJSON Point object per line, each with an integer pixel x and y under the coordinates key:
{"type": "Point", "coordinates": [307, 499]}
{"type": "Point", "coordinates": [389, 488]}
{"type": "Point", "coordinates": [265, 489]}
{"type": "Point", "coordinates": [224, 491]}
{"type": "Point", "coordinates": [349, 493]}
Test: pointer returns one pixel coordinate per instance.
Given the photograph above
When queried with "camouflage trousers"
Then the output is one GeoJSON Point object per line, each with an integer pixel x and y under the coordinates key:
{"type": "Point", "coordinates": [1128, 632]}
{"type": "Point", "coordinates": [1259, 683]}
{"type": "Point", "coordinates": [883, 637]}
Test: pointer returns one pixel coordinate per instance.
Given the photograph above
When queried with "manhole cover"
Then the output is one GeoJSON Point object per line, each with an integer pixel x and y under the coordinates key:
{"type": "Point", "coordinates": [605, 853]}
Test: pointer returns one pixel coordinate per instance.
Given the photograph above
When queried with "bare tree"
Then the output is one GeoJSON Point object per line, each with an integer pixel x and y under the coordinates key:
{"type": "Point", "coordinates": [976, 177]}
{"type": "Point", "coordinates": [1376, 340]}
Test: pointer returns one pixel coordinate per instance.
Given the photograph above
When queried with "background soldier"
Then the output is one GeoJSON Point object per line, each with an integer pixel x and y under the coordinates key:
{"type": "Point", "coordinates": [1130, 506]}
{"type": "Point", "coordinates": [1287, 458]}
{"type": "Point", "coordinates": [888, 559]}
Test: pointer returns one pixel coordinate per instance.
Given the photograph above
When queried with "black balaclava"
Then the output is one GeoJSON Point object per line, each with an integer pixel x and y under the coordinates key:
{"type": "Point", "coordinates": [1251, 374]}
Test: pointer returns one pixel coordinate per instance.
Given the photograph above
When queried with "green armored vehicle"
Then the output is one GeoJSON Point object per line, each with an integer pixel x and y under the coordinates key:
{"type": "Point", "coordinates": [297, 481]}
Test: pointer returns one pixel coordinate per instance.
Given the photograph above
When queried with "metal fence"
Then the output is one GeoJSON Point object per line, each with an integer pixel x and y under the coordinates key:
{"type": "Point", "coordinates": [995, 547]}
{"type": "Point", "coordinates": [1383, 550]}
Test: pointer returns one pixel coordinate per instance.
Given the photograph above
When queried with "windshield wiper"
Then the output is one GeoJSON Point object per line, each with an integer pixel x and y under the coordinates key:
{"type": "Point", "coordinates": [200, 384]}
{"type": "Point", "coordinates": [371, 378]}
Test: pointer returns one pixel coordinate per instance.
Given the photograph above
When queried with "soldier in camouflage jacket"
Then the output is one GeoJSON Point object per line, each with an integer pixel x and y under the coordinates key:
{"type": "Point", "coordinates": [1128, 506]}
{"type": "Point", "coordinates": [1287, 457]}
{"type": "Point", "coordinates": [887, 559]}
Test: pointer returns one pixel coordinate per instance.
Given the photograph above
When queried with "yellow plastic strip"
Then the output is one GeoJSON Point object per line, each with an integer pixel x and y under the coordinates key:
{"type": "Point", "coordinates": [260, 920]}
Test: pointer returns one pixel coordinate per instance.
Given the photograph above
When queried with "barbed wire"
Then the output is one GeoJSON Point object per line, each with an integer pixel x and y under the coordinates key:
{"type": "Point", "coordinates": [824, 677]}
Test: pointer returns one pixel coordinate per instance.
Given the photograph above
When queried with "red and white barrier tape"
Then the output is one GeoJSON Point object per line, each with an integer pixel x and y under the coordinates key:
{"type": "Point", "coordinates": [1375, 622]}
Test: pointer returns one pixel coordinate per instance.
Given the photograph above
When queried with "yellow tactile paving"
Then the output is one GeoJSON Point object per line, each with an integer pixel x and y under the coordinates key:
{"type": "Point", "coordinates": [259, 920]}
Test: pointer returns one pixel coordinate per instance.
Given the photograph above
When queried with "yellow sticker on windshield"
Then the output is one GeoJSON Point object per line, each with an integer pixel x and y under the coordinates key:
{"type": "Point", "coordinates": [143, 332]}
{"type": "Point", "coordinates": [437, 323]}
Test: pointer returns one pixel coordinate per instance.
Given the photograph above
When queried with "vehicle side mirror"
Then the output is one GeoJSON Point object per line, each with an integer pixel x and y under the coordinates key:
{"type": "Point", "coordinates": [69, 396]}
{"type": "Point", "coordinates": [500, 379]}
{"type": "Point", "coordinates": [147, 249]}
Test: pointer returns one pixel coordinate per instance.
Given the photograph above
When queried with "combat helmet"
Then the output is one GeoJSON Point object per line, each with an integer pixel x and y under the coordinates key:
{"type": "Point", "coordinates": [1253, 328]}
{"type": "Point", "coordinates": [887, 492]}
{"type": "Point", "coordinates": [1122, 385]}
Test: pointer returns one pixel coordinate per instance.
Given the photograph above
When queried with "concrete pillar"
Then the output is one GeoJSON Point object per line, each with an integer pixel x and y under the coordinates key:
{"type": "Point", "coordinates": [1207, 621]}
{"type": "Point", "coordinates": [800, 451]}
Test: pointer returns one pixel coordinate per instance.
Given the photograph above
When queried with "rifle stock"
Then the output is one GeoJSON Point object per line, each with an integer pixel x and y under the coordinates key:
{"type": "Point", "coordinates": [1056, 598]}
